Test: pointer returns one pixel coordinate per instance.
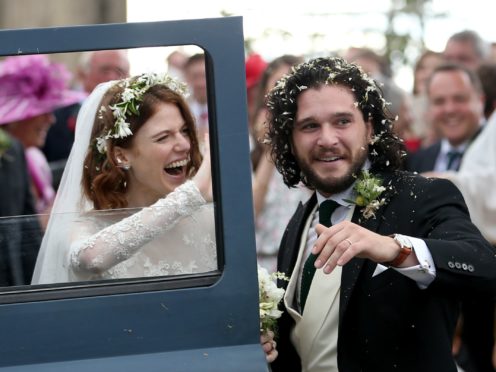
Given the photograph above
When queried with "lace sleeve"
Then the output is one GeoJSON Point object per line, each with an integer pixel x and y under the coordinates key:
{"type": "Point", "coordinates": [120, 241]}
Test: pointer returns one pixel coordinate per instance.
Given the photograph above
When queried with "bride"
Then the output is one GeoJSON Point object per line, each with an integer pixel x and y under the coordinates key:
{"type": "Point", "coordinates": [134, 200]}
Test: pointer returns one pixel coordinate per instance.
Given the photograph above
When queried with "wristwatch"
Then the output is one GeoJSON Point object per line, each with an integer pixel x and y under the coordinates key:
{"type": "Point", "coordinates": [406, 248]}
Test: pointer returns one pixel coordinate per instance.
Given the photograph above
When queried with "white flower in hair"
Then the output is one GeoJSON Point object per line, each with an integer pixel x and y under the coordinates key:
{"type": "Point", "coordinates": [128, 95]}
{"type": "Point", "coordinates": [101, 145]}
{"type": "Point", "coordinates": [133, 92]}
{"type": "Point", "coordinates": [117, 111]}
{"type": "Point", "coordinates": [123, 130]}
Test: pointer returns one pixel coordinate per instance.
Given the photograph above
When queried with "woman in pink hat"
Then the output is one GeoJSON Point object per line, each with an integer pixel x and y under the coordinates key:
{"type": "Point", "coordinates": [31, 88]}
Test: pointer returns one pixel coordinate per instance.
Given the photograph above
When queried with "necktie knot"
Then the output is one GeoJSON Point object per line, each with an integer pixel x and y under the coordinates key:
{"type": "Point", "coordinates": [454, 157]}
{"type": "Point", "coordinates": [326, 209]}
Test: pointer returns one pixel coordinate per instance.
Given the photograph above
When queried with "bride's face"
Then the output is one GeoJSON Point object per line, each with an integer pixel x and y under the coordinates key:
{"type": "Point", "coordinates": [158, 156]}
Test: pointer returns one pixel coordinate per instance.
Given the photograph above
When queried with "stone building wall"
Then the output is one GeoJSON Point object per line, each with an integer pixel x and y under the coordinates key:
{"type": "Point", "coordinates": [16, 14]}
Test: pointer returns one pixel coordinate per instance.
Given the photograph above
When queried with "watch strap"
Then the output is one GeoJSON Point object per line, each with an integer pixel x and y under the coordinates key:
{"type": "Point", "coordinates": [403, 254]}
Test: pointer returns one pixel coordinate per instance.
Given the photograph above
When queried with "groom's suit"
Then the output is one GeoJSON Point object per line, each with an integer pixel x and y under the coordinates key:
{"type": "Point", "coordinates": [386, 322]}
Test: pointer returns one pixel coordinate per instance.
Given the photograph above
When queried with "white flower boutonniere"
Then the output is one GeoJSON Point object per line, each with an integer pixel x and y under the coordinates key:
{"type": "Point", "coordinates": [368, 189]}
{"type": "Point", "coordinates": [269, 296]}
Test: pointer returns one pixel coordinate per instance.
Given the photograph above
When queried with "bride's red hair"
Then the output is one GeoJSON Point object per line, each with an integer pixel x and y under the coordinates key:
{"type": "Point", "coordinates": [104, 183]}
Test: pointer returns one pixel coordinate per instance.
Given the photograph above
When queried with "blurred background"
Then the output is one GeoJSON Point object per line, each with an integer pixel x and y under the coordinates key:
{"type": "Point", "coordinates": [397, 29]}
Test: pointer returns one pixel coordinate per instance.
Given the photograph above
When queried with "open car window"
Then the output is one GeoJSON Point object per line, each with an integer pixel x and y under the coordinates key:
{"type": "Point", "coordinates": [83, 243]}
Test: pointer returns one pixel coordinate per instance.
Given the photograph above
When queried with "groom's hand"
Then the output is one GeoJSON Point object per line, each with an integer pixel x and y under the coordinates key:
{"type": "Point", "coordinates": [338, 244]}
{"type": "Point", "coordinates": [269, 346]}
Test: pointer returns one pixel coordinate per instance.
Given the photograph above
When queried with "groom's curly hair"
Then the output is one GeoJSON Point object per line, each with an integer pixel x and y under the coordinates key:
{"type": "Point", "coordinates": [385, 151]}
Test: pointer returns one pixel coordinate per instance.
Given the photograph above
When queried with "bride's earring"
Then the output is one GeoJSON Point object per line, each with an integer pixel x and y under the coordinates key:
{"type": "Point", "coordinates": [123, 166]}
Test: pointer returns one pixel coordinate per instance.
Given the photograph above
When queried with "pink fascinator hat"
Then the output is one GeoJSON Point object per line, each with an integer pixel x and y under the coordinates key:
{"type": "Point", "coordinates": [32, 85]}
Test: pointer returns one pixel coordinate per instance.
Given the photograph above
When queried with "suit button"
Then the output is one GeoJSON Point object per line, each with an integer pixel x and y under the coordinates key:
{"type": "Point", "coordinates": [451, 264]}
{"type": "Point", "coordinates": [464, 266]}
{"type": "Point", "coordinates": [458, 265]}
{"type": "Point", "coordinates": [470, 268]}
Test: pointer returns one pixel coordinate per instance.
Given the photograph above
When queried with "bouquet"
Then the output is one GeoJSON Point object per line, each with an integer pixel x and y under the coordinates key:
{"type": "Point", "coordinates": [269, 296]}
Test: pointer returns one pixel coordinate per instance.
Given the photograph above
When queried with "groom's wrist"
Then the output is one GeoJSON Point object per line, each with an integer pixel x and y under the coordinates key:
{"type": "Point", "coordinates": [405, 249]}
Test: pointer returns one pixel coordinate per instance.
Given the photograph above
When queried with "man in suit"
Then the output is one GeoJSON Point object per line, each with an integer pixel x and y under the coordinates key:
{"type": "Point", "coordinates": [475, 346]}
{"type": "Point", "coordinates": [456, 107]}
{"type": "Point", "coordinates": [20, 232]}
{"type": "Point", "coordinates": [399, 247]}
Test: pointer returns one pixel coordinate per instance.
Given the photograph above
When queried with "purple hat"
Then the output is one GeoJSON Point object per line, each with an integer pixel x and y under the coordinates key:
{"type": "Point", "coordinates": [32, 85]}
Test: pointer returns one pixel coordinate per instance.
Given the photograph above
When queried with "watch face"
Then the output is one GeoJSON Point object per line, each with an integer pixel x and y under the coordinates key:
{"type": "Point", "coordinates": [403, 241]}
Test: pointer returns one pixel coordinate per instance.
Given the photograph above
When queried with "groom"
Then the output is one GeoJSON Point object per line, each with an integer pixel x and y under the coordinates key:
{"type": "Point", "coordinates": [377, 257]}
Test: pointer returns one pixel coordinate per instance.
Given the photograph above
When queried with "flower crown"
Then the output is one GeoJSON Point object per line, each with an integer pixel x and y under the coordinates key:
{"type": "Point", "coordinates": [134, 89]}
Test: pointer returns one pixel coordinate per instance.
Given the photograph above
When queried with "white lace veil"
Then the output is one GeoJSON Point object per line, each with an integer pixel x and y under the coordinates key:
{"type": "Point", "coordinates": [51, 264]}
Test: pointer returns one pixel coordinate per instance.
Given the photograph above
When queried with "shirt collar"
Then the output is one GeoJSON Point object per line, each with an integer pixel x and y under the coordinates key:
{"type": "Point", "coordinates": [446, 147]}
{"type": "Point", "coordinates": [348, 194]}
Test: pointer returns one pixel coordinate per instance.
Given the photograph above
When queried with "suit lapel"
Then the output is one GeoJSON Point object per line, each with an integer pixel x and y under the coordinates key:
{"type": "Point", "coordinates": [352, 270]}
{"type": "Point", "coordinates": [290, 244]}
{"type": "Point", "coordinates": [288, 253]}
{"type": "Point", "coordinates": [431, 159]}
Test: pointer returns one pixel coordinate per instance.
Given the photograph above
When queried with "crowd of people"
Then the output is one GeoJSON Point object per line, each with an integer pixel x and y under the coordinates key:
{"type": "Point", "coordinates": [377, 203]}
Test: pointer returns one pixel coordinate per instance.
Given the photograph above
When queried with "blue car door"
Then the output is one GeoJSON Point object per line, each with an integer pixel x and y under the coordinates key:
{"type": "Point", "coordinates": [201, 322]}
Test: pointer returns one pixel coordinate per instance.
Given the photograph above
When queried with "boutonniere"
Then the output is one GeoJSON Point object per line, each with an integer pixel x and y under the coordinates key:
{"type": "Point", "coordinates": [5, 143]}
{"type": "Point", "coordinates": [269, 296]}
{"type": "Point", "coordinates": [368, 189]}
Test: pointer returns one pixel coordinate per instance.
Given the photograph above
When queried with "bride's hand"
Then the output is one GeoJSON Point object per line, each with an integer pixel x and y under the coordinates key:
{"type": "Point", "coordinates": [203, 178]}
{"type": "Point", "coordinates": [269, 346]}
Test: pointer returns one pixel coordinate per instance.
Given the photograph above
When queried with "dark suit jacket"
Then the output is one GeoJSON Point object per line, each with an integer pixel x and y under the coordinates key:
{"type": "Point", "coordinates": [423, 160]}
{"type": "Point", "coordinates": [386, 323]}
{"type": "Point", "coordinates": [60, 136]}
{"type": "Point", "coordinates": [20, 232]}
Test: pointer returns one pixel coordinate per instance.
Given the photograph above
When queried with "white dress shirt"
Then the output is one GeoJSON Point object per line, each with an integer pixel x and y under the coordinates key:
{"type": "Point", "coordinates": [442, 160]}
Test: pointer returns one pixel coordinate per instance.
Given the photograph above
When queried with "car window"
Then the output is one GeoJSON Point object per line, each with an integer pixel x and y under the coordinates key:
{"type": "Point", "coordinates": [67, 233]}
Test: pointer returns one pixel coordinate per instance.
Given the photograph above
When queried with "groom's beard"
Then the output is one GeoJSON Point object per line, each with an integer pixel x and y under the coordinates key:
{"type": "Point", "coordinates": [334, 185]}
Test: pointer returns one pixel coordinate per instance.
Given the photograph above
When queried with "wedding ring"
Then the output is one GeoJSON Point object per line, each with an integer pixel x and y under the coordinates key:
{"type": "Point", "coordinates": [348, 241]}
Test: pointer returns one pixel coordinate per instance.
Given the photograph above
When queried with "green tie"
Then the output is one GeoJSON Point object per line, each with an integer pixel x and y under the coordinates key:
{"type": "Point", "coordinates": [326, 209]}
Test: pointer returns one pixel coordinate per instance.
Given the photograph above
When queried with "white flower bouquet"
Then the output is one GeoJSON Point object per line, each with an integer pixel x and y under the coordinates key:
{"type": "Point", "coordinates": [269, 296]}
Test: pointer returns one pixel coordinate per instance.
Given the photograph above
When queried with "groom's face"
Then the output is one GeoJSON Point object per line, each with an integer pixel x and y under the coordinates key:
{"type": "Point", "coordinates": [330, 138]}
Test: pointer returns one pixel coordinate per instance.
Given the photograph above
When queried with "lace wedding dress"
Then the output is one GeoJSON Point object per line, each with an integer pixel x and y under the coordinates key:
{"type": "Point", "coordinates": [176, 235]}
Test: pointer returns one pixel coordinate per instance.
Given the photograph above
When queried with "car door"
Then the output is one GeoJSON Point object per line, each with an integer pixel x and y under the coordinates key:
{"type": "Point", "coordinates": [201, 322]}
